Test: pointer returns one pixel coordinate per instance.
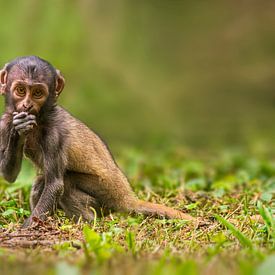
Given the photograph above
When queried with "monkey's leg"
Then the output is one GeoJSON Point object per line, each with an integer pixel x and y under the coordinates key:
{"type": "Point", "coordinates": [114, 196]}
{"type": "Point", "coordinates": [118, 196]}
{"type": "Point", "coordinates": [36, 191]}
{"type": "Point", "coordinates": [76, 203]}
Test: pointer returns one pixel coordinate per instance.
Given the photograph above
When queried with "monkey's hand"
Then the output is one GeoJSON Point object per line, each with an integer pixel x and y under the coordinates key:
{"type": "Point", "coordinates": [23, 122]}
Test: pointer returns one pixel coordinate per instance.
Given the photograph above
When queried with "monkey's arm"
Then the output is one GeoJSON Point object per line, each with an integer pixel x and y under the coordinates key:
{"type": "Point", "coordinates": [13, 128]}
{"type": "Point", "coordinates": [11, 149]}
{"type": "Point", "coordinates": [54, 162]}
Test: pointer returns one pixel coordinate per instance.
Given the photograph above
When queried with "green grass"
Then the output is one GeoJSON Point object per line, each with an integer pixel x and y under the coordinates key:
{"type": "Point", "coordinates": [232, 192]}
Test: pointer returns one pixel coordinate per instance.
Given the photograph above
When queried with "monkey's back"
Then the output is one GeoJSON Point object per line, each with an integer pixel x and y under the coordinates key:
{"type": "Point", "coordinates": [88, 154]}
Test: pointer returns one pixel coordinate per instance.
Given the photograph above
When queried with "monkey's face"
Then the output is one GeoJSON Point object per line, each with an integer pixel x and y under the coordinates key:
{"type": "Point", "coordinates": [28, 96]}
{"type": "Point", "coordinates": [30, 83]}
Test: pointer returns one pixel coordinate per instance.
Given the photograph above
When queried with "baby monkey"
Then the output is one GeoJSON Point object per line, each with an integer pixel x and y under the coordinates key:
{"type": "Point", "coordinates": [75, 170]}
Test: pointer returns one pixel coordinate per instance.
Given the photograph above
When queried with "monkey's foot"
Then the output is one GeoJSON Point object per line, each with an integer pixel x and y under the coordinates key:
{"type": "Point", "coordinates": [32, 221]}
{"type": "Point", "coordinates": [27, 223]}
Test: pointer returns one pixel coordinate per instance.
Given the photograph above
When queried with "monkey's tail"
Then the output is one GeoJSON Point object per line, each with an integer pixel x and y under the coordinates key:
{"type": "Point", "coordinates": [154, 209]}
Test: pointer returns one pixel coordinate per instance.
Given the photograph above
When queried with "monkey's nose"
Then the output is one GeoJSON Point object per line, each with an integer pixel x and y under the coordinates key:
{"type": "Point", "coordinates": [27, 107]}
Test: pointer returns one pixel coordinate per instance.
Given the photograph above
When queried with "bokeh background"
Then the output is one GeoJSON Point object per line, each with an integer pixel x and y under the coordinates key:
{"type": "Point", "coordinates": [146, 73]}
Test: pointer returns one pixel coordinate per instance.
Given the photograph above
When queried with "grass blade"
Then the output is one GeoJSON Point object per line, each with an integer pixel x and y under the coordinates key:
{"type": "Point", "coordinates": [268, 218]}
{"type": "Point", "coordinates": [237, 233]}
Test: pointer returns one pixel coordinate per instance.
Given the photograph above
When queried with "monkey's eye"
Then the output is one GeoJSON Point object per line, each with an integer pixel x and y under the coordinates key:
{"type": "Point", "coordinates": [37, 93]}
{"type": "Point", "coordinates": [20, 91]}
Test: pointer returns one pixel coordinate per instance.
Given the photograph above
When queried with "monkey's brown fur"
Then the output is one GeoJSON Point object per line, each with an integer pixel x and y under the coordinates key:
{"type": "Point", "coordinates": [100, 176]}
{"type": "Point", "coordinates": [75, 168]}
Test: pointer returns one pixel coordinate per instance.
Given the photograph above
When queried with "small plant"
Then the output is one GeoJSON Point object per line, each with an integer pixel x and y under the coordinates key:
{"type": "Point", "coordinates": [99, 247]}
{"type": "Point", "coordinates": [232, 196]}
{"type": "Point", "coordinates": [269, 220]}
{"type": "Point", "coordinates": [244, 241]}
{"type": "Point", "coordinates": [130, 239]}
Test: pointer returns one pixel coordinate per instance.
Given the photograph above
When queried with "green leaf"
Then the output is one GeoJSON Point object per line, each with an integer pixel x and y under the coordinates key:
{"type": "Point", "coordinates": [237, 233]}
{"type": "Point", "coordinates": [192, 205]}
{"type": "Point", "coordinates": [64, 268]}
{"type": "Point", "coordinates": [130, 238]}
{"type": "Point", "coordinates": [266, 196]}
{"type": "Point", "coordinates": [196, 184]}
{"type": "Point", "coordinates": [91, 237]}
{"type": "Point", "coordinates": [8, 212]}
{"type": "Point", "coordinates": [267, 267]}
{"type": "Point", "coordinates": [267, 217]}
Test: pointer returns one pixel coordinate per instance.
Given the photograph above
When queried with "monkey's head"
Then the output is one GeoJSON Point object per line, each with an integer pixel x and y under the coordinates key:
{"type": "Point", "coordinates": [30, 84]}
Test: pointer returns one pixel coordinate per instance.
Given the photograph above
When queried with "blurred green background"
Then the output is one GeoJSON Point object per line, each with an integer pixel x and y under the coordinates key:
{"type": "Point", "coordinates": [198, 73]}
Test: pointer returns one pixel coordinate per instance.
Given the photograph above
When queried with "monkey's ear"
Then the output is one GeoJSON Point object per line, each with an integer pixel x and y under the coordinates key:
{"type": "Point", "coordinates": [60, 83]}
{"type": "Point", "coordinates": [3, 79]}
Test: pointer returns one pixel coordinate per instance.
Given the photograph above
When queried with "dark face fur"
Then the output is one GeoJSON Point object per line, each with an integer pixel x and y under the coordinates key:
{"type": "Point", "coordinates": [30, 84]}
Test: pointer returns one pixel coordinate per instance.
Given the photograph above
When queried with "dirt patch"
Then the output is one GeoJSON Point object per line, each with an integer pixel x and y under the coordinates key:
{"type": "Point", "coordinates": [40, 233]}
